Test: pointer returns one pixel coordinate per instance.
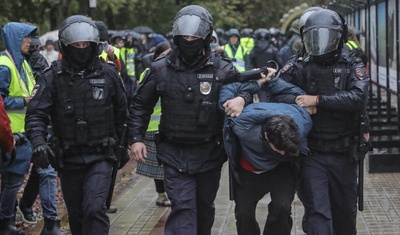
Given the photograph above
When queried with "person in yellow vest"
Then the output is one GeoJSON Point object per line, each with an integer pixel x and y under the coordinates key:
{"type": "Point", "coordinates": [353, 45]}
{"type": "Point", "coordinates": [247, 38]}
{"type": "Point", "coordinates": [237, 52]}
{"type": "Point", "coordinates": [128, 54]}
{"type": "Point", "coordinates": [108, 52]}
{"type": "Point", "coordinates": [151, 167]}
{"type": "Point", "coordinates": [16, 84]}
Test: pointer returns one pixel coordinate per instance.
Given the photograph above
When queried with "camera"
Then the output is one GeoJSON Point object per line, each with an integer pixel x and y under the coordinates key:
{"type": "Point", "coordinates": [102, 46]}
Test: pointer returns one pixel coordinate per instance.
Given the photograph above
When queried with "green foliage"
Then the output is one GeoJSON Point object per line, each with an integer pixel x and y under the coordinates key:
{"type": "Point", "coordinates": [157, 14]}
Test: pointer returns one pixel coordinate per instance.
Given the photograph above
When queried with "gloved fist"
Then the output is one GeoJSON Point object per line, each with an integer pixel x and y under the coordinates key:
{"type": "Point", "coordinates": [41, 155]}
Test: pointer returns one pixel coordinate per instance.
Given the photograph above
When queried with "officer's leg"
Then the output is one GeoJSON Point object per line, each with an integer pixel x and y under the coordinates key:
{"type": "Point", "coordinates": [253, 188]}
{"type": "Point", "coordinates": [181, 190]}
{"type": "Point", "coordinates": [71, 185]}
{"type": "Point", "coordinates": [96, 185]}
{"type": "Point", "coordinates": [315, 190]}
{"type": "Point", "coordinates": [344, 195]}
{"type": "Point", "coordinates": [281, 183]}
{"type": "Point", "coordinates": [207, 187]}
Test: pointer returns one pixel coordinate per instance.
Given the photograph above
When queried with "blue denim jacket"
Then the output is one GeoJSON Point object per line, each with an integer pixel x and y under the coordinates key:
{"type": "Point", "coordinates": [242, 133]}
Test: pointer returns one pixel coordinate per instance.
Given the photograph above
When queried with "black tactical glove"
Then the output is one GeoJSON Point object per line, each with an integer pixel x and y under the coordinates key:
{"type": "Point", "coordinates": [41, 155]}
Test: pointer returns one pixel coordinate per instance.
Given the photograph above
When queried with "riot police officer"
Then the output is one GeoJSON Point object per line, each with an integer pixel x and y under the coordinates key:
{"type": "Point", "coordinates": [188, 81]}
{"type": "Point", "coordinates": [337, 85]}
{"type": "Point", "coordinates": [86, 102]}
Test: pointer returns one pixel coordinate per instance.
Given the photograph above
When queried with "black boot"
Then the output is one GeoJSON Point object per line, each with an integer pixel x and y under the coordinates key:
{"type": "Point", "coordinates": [7, 227]}
{"type": "Point", "coordinates": [51, 227]}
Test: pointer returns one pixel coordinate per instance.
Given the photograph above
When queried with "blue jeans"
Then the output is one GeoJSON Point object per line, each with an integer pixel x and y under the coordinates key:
{"type": "Point", "coordinates": [47, 191]}
{"type": "Point", "coordinates": [12, 183]}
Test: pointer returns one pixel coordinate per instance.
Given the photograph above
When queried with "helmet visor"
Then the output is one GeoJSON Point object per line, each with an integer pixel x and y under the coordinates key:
{"type": "Point", "coordinates": [79, 32]}
{"type": "Point", "coordinates": [320, 41]}
{"type": "Point", "coordinates": [191, 25]}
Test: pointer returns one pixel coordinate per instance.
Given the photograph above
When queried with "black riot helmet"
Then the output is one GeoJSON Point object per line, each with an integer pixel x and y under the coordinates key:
{"type": "Point", "coordinates": [262, 33]}
{"type": "Point", "coordinates": [323, 34]}
{"type": "Point", "coordinates": [246, 32]}
{"type": "Point", "coordinates": [304, 16]}
{"type": "Point", "coordinates": [193, 20]}
{"type": "Point", "coordinates": [78, 28]}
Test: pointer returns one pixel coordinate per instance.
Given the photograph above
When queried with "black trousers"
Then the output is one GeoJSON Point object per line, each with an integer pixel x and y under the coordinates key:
{"type": "Point", "coordinates": [329, 193]}
{"type": "Point", "coordinates": [85, 192]}
{"type": "Point", "coordinates": [280, 183]}
{"type": "Point", "coordinates": [192, 201]}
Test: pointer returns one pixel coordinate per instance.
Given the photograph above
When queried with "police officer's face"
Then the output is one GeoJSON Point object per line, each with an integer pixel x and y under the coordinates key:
{"type": "Point", "coordinates": [26, 43]}
{"type": "Point", "coordinates": [190, 38]}
{"type": "Point", "coordinates": [80, 44]}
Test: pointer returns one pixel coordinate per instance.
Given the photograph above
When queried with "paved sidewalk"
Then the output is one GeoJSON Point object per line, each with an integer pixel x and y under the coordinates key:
{"type": "Point", "coordinates": [138, 214]}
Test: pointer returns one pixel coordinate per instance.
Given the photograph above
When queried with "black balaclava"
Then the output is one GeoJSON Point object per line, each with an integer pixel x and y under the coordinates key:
{"type": "Point", "coordinates": [190, 51]}
{"type": "Point", "coordinates": [81, 58]}
{"type": "Point", "coordinates": [328, 59]}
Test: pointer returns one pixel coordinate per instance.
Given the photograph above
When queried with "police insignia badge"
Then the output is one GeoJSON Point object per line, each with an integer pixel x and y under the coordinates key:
{"type": "Point", "coordinates": [361, 74]}
{"type": "Point", "coordinates": [34, 91]}
{"type": "Point", "coordinates": [286, 67]}
{"type": "Point", "coordinates": [205, 88]}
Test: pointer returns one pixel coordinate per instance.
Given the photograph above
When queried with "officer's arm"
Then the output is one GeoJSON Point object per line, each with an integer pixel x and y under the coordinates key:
{"type": "Point", "coordinates": [354, 98]}
{"type": "Point", "coordinates": [120, 104]}
{"type": "Point", "coordinates": [141, 108]}
{"type": "Point", "coordinates": [38, 111]}
{"type": "Point", "coordinates": [227, 73]}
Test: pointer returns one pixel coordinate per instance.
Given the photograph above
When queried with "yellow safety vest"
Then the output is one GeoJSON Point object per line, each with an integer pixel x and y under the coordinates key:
{"type": "Point", "coordinates": [352, 45]}
{"type": "Point", "coordinates": [155, 117]}
{"type": "Point", "coordinates": [248, 43]}
{"type": "Point", "coordinates": [239, 56]}
{"type": "Point", "coordinates": [18, 89]}
{"type": "Point", "coordinates": [128, 56]}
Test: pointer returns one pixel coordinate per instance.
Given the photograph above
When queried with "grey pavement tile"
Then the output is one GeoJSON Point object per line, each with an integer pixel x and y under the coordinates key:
{"type": "Point", "coordinates": [138, 214]}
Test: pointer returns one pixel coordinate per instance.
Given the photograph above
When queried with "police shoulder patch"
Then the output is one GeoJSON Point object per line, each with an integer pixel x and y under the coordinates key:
{"type": "Point", "coordinates": [361, 74]}
{"type": "Point", "coordinates": [35, 91]}
{"type": "Point", "coordinates": [286, 67]}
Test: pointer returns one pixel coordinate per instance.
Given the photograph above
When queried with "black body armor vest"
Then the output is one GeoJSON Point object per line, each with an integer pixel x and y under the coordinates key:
{"type": "Point", "coordinates": [329, 125]}
{"type": "Point", "coordinates": [84, 109]}
{"type": "Point", "coordinates": [189, 104]}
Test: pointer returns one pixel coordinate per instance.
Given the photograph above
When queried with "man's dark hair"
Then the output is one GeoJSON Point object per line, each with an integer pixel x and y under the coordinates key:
{"type": "Point", "coordinates": [283, 133]}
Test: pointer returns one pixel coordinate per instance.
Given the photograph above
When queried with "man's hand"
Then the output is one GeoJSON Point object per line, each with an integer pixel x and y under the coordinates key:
{"type": "Point", "coordinates": [138, 151]}
{"type": "Point", "coordinates": [234, 107]}
{"type": "Point", "coordinates": [266, 78]}
{"type": "Point", "coordinates": [110, 52]}
{"type": "Point", "coordinates": [306, 100]}
{"type": "Point", "coordinates": [41, 155]}
{"type": "Point", "coordinates": [311, 109]}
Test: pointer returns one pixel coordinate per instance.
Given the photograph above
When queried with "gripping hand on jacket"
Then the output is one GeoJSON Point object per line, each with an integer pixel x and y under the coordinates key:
{"type": "Point", "coordinates": [41, 156]}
